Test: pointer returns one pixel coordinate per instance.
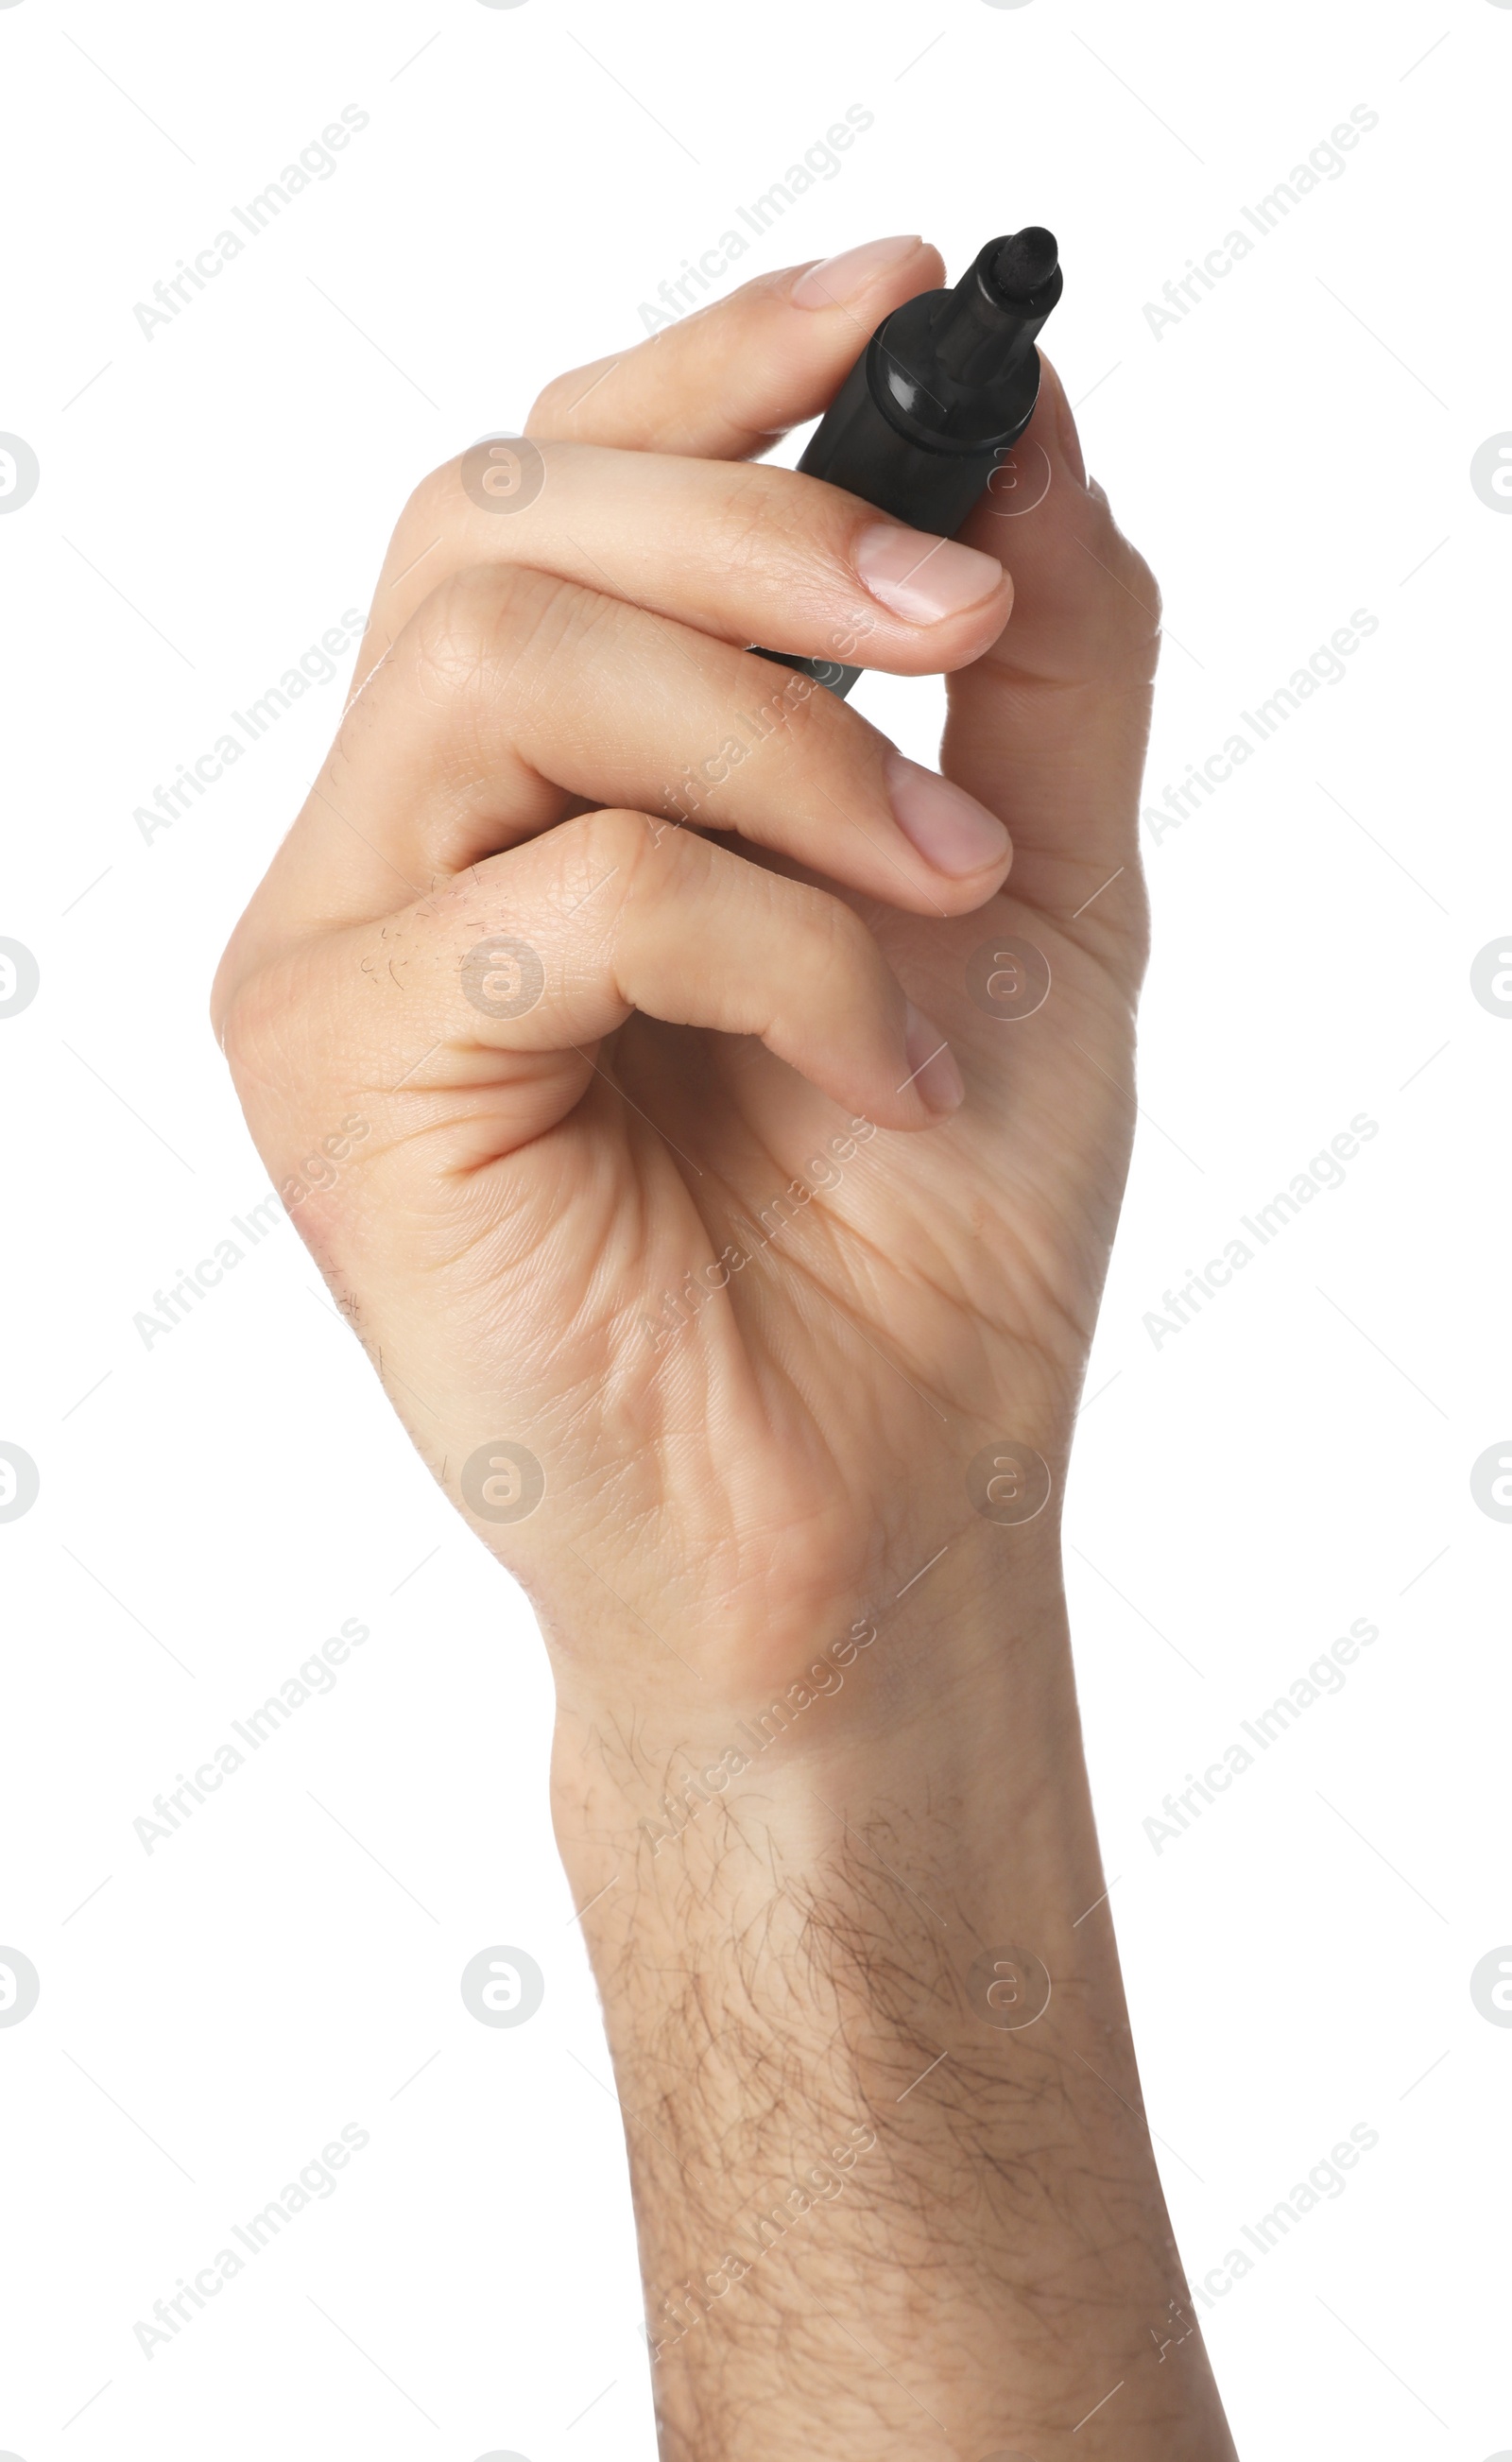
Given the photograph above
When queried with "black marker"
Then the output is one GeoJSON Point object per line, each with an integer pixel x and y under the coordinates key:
{"type": "Point", "coordinates": [946, 385]}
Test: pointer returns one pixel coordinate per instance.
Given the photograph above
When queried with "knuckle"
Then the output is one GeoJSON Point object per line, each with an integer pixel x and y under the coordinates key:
{"type": "Point", "coordinates": [490, 632]}
{"type": "Point", "coordinates": [440, 507]}
{"type": "Point", "coordinates": [840, 956]}
{"type": "Point", "coordinates": [791, 532]}
{"type": "Point", "coordinates": [814, 726]}
{"type": "Point", "coordinates": [603, 851]}
{"type": "Point", "coordinates": [430, 512]}
{"type": "Point", "coordinates": [257, 1022]}
{"type": "Point", "coordinates": [615, 840]}
{"type": "Point", "coordinates": [429, 497]}
{"type": "Point", "coordinates": [552, 413]}
{"type": "Point", "coordinates": [1149, 587]}
{"type": "Point", "coordinates": [752, 507]}
{"type": "Point", "coordinates": [1136, 605]}
{"type": "Point", "coordinates": [475, 611]}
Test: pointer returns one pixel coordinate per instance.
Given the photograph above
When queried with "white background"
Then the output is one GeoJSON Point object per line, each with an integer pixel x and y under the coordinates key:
{"type": "Point", "coordinates": [210, 501]}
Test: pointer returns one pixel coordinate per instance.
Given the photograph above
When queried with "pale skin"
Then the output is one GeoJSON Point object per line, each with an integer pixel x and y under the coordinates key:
{"type": "Point", "coordinates": [724, 1041]}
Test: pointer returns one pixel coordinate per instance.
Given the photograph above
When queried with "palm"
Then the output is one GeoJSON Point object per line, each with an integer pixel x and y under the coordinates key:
{"type": "Point", "coordinates": [765, 1364]}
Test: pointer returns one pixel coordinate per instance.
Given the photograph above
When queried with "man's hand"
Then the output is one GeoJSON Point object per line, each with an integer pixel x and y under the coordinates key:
{"type": "Point", "coordinates": [739, 1159]}
{"type": "Point", "coordinates": [853, 1313]}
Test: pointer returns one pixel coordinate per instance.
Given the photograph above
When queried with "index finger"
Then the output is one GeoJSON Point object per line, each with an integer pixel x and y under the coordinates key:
{"type": "Point", "coordinates": [726, 382]}
{"type": "Point", "coordinates": [722, 385]}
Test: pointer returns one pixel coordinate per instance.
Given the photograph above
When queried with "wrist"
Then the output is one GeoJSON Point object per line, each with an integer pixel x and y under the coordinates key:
{"type": "Point", "coordinates": [915, 1841]}
{"type": "Point", "coordinates": [957, 1680]}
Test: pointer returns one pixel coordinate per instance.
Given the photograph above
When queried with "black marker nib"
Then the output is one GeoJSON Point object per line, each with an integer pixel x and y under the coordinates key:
{"type": "Point", "coordinates": [1025, 262]}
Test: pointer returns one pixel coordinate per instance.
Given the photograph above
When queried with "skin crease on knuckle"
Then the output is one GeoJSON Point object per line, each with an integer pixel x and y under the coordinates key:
{"type": "Point", "coordinates": [485, 634]}
{"type": "Point", "coordinates": [796, 547]}
{"type": "Point", "coordinates": [500, 654]}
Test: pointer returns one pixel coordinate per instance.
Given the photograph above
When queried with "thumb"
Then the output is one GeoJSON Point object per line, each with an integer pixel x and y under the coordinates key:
{"type": "Point", "coordinates": [1048, 726]}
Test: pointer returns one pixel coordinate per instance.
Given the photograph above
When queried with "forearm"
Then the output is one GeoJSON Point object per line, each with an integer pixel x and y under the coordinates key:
{"type": "Point", "coordinates": [874, 2204]}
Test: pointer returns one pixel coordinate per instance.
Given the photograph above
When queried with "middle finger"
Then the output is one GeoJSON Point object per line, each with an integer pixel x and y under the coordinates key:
{"type": "Point", "coordinates": [512, 697]}
{"type": "Point", "coordinates": [743, 550]}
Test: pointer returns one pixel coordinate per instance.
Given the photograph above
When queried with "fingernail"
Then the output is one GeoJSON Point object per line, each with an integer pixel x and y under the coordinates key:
{"type": "Point", "coordinates": [931, 1062]}
{"type": "Point", "coordinates": [920, 578]}
{"type": "Point", "coordinates": [846, 276]}
{"type": "Point", "coordinates": [951, 830]}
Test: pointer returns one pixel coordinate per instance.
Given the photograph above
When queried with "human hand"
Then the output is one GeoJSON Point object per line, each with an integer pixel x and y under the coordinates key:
{"type": "Point", "coordinates": [615, 964]}
{"type": "Point", "coordinates": [701, 1076]}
